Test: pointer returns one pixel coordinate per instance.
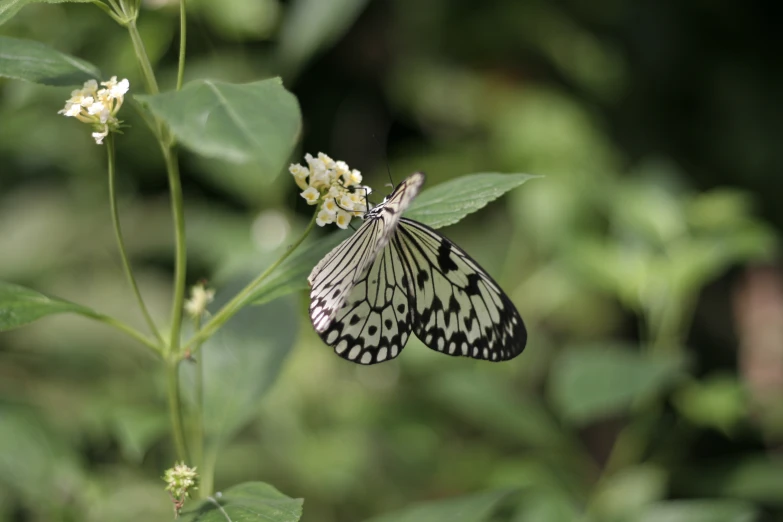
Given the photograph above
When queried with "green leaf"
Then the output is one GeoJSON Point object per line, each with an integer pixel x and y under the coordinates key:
{"type": "Point", "coordinates": [492, 406]}
{"type": "Point", "coordinates": [589, 383]}
{"type": "Point", "coordinates": [291, 275]}
{"type": "Point", "coordinates": [8, 8]}
{"type": "Point", "coordinates": [629, 490]}
{"type": "Point", "coordinates": [473, 508]}
{"type": "Point", "coordinates": [697, 511]}
{"type": "Point", "coordinates": [36, 461]}
{"type": "Point", "coordinates": [240, 363]}
{"type": "Point", "coordinates": [257, 121]}
{"type": "Point", "coordinates": [38, 63]}
{"type": "Point", "coordinates": [717, 401]}
{"type": "Point", "coordinates": [449, 202]}
{"type": "Point", "coordinates": [20, 306]}
{"type": "Point", "coordinates": [544, 504]}
{"type": "Point", "coordinates": [313, 25]}
{"type": "Point", "coordinates": [248, 502]}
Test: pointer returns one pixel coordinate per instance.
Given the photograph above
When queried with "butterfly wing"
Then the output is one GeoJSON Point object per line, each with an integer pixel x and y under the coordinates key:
{"type": "Point", "coordinates": [350, 262]}
{"type": "Point", "coordinates": [334, 276]}
{"type": "Point", "coordinates": [458, 309]}
{"type": "Point", "coordinates": [374, 323]}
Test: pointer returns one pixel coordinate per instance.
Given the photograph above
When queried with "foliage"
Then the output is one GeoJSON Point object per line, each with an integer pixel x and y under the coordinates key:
{"type": "Point", "coordinates": [638, 260]}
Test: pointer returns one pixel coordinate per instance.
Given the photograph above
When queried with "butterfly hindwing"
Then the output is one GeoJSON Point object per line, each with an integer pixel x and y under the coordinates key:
{"type": "Point", "coordinates": [458, 307]}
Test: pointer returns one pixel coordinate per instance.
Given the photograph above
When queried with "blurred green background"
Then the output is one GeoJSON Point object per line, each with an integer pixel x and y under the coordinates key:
{"type": "Point", "coordinates": [645, 262]}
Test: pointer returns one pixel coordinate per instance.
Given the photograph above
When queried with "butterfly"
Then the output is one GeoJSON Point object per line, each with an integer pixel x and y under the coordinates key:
{"type": "Point", "coordinates": [394, 277]}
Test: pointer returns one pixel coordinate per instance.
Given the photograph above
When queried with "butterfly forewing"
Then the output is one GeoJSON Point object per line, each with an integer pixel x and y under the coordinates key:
{"type": "Point", "coordinates": [458, 307]}
{"type": "Point", "coordinates": [348, 263]}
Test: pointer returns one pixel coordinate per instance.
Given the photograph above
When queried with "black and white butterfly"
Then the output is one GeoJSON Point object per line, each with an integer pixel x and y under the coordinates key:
{"type": "Point", "coordinates": [394, 277]}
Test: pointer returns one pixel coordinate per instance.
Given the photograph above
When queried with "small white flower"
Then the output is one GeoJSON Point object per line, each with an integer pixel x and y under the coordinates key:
{"type": "Point", "coordinates": [346, 202]}
{"type": "Point", "coordinates": [330, 206]}
{"type": "Point", "coordinates": [90, 87]}
{"type": "Point", "coordinates": [328, 162]}
{"type": "Point", "coordinates": [71, 109]}
{"type": "Point", "coordinates": [359, 204]}
{"type": "Point", "coordinates": [343, 219]}
{"type": "Point", "coordinates": [200, 297]}
{"type": "Point", "coordinates": [98, 136]}
{"type": "Point", "coordinates": [311, 195]}
{"type": "Point", "coordinates": [300, 174]}
{"type": "Point", "coordinates": [324, 218]}
{"type": "Point", "coordinates": [341, 169]}
{"type": "Point", "coordinates": [97, 107]}
{"type": "Point", "coordinates": [334, 185]}
{"type": "Point", "coordinates": [119, 89]}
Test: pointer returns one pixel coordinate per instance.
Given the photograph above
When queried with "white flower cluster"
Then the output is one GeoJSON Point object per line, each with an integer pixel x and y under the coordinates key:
{"type": "Point", "coordinates": [97, 107]}
{"type": "Point", "coordinates": [200, 297]}
{"type": "Point", "coordinates": [335, 186]}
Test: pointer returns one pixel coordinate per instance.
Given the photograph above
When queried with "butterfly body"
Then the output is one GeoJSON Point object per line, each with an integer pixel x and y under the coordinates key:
{"type": "Point", "coordinates": [396, 276]}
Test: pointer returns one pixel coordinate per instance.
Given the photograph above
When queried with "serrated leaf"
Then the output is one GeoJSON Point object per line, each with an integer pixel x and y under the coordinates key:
{"type": "Point", "coordinates": [8, 8]}
{"type": "Point", "coordinates": [35, 62]}
{"type": "Point", "coordinates": [20, 306]}
{"type": "Point", "coordinates": [472, 508]}
{"type": "Point", "coordinates": [589, 383]}
{"type": "Point", "coordinates": [257, 121]}
{"type": "Point", "coordinates": [313, 25]}
{"type": "Point", "coordinates": [291, 275]}
{"type": "Point", "coordinates": [248, 502]}
{"type": "Point", "coordinates": [449, 202]}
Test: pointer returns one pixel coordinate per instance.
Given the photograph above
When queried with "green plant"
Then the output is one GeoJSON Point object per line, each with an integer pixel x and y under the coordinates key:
{"type": "Point", "coordinates": [257, 121]}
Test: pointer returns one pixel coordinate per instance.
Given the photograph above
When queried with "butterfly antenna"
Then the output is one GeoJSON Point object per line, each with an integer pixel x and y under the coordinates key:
{"type": "Point", "coordinates": [385, 159]}
{"type": "Point", "coordinates": [350, 212]}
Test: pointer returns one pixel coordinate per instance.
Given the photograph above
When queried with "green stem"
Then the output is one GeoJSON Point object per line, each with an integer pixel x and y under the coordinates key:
{"type": "Point", "coordinates": [207, 475]}
{"type": "Point", "coordinates": [143, 59]}
{"type": "Point", "coordinates": [182, 44]}
{"type": "Point", "coordinates": [119, 325]}
{"type": "Point", "coordinates": [240, 300]}
{"type": "Point", "coordinates": [115, 219]}
{"type": "Point", "coordinates": [175, 409]}
{"type": "Point", "coordinates": [199, 421]}
{"type": "Point", "coordinates": [106, 9]}
{"type": "Point", "coordinates": [180, 263]}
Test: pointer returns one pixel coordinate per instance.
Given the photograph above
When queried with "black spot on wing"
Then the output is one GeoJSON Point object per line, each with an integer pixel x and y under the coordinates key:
{"type": "Point", "coordinates": [445, 262]}
{"type": "Point", "coordinates": [421, 278]}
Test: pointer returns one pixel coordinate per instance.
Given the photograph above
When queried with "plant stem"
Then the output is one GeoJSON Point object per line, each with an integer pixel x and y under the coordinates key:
{"type": "Point", "coordinates": [143, 59]}
{"type": "Point", "coordinates": [106, 9]}
{"type": "Point", "coordinates": [199, 421]}
{"type": "Point", "coordinates": [180, 263]}
{"type": "Point", "coordinates": [240, 300]}
{"type": "Point", "coordinates": [119, 325]}
{"type": "Point", "coordinates": [207, 474]}
{"type": "Point", "coordinates": [182, 44]}
{"type": "Point", "coordinates": [175, 409]}
{"type": "Point", "coordinates": [115, 219]}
